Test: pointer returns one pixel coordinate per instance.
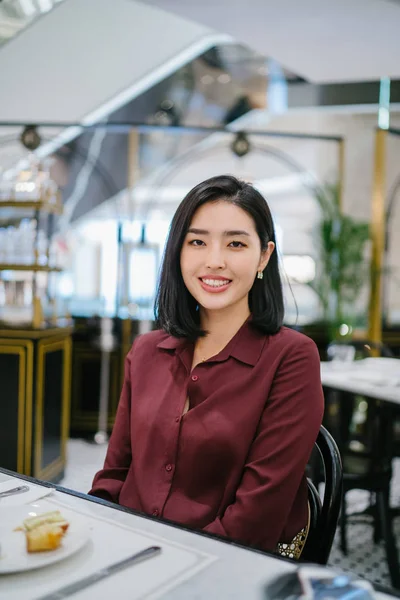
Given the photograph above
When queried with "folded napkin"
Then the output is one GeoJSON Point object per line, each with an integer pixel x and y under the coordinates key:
{"type": "Point", "coordinates": [34, 493]}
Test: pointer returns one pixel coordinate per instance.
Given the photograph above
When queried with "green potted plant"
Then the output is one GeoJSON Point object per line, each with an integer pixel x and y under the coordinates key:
{"type": "Point", "coordinates": [342, 269]}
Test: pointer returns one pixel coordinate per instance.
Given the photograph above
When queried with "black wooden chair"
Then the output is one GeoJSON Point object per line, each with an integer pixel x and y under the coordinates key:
{"type": "Point", "coordinates": [324, 515]}
{"type": "Point", "coordinates": [370, 469]}
{"type": "Point", "coordinates": [315, 545]}
{"type": "Point", "coordinates": [367, 457]}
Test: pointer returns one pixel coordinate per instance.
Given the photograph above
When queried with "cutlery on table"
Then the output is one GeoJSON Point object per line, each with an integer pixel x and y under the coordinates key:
{"type": "Point", "coordinates": [17, 490]}
{"type": "Point", "coordinates": [85, 582]}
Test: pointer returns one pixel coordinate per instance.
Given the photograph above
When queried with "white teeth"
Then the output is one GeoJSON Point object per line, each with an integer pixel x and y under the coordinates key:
{"type": "Point", "coordinates": [215, 282]}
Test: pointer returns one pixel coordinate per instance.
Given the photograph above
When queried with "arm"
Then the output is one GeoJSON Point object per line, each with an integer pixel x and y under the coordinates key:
{"type": "Point", "coordinates": [108, 482]}
{"type": "Point", "coordinates": [279, 453]}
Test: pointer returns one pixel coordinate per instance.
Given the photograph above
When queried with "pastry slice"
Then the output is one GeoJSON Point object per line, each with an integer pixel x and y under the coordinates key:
{"type": "Point", "coordinates": [50, 518]}
{"type": "Point", "coordinates": [44, 538]}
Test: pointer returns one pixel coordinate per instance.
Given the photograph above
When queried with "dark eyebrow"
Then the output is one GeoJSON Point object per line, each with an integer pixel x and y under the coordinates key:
{"type": "Point", "coordinates": [236, 232]}
{"type": "Point", "coordinates": [226, 233]}
{"type": "Point", "coordinates": [198, 231]}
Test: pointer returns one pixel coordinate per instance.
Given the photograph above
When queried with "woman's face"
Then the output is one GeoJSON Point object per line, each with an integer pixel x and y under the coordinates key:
{"type": "Point", "coordinates": [221, 255]}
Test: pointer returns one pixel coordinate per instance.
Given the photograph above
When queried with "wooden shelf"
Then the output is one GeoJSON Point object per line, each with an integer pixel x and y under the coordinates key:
{"type": "Point", "coordinates": [55, 208]}
{"type": "Point", "coordinates": [33, 267]}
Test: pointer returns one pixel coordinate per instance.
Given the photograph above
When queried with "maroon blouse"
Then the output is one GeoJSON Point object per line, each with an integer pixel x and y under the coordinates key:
{"type": "Point", "coordinates": [234, 463]}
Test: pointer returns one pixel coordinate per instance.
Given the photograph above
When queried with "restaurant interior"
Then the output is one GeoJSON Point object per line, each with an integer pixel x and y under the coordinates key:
{"type": "Point", "coordinates": [110, 112]}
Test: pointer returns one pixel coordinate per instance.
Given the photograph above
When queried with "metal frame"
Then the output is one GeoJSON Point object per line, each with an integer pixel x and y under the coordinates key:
{"type": "Point", "coordinates": [64, 345]}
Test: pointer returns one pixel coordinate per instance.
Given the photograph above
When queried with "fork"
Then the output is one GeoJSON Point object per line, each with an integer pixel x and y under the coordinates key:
{"type": "Point", "coordinates": [17, 490]}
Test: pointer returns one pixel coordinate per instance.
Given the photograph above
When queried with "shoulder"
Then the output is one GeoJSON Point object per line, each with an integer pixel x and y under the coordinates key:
{"type": "Point", "coordinates": [292, 338]}
{"type": "Point", "coordinates": [152, 337]}
{"type": "Point", "coordinates": [148, 342]}
{"type": "Point", "coordinates": [288, 342]}
{"type": "Point", "coordinates": [292, 361]}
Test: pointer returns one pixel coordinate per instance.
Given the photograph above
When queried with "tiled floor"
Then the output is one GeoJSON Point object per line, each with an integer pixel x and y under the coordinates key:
{"type": "Point", "coordinates": [364, 558]}
{"type": "Point", "coordinates": [84, 460]}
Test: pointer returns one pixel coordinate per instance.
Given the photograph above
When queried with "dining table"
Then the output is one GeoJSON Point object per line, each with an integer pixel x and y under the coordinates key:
{"type": "Point", "coordinates": [373, 377]}
{"type": "Point", "coordinates": [190, 565]}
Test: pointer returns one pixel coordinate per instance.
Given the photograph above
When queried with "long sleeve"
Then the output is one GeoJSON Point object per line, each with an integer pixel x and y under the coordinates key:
{"type": "Point", "coordinates": [108, 482]}
{"type": "Point", "coordinates": [279, 454]}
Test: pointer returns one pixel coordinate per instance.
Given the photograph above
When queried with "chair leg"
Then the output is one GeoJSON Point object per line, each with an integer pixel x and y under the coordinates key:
{"type": "Point", "coordinates": [377, 530]}
{"type": "Point", "coordinates": [376, 521]}
{"type": "Point", "coordinates": [392, 556]}
{"type": "Point", "coordinates": [343, 536]}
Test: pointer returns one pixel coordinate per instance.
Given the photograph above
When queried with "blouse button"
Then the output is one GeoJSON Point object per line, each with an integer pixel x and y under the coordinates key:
{"type": "Point", "coordinates": [177, 419]}
{"type": "Point", "coordinates": [168, 468]}
{"type": "Point", "coordinates": [156, 512]}
{"type": "Point", "coordinates": [195, 377]}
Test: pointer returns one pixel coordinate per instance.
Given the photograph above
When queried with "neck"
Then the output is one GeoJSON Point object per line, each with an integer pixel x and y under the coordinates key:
{"type": "Point", "coordinates": [222, 325]}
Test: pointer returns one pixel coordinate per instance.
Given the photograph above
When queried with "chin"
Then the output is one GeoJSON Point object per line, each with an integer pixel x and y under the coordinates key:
{"type": "Point", "coordinates": [214, 303]}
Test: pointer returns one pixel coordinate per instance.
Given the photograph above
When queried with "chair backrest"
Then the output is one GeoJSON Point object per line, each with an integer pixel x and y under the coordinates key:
{"type": "Point", "coordinates": [324, 516]}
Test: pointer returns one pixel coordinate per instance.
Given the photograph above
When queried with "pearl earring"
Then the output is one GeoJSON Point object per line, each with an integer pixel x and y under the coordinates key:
{"type": "Point", "coordinates": [260, 275]}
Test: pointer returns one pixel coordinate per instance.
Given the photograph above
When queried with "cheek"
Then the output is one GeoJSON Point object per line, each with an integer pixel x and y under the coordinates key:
{"type": "Point", "coordinates": [188, 264]}
{"type": "Point", "coordinates": [185, 263]}
{"type": "Point", "coordinates": [247, 266]}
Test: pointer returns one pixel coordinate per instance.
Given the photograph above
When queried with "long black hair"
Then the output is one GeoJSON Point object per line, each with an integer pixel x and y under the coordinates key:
{"type": "Point", "coordinates": [176, 310]}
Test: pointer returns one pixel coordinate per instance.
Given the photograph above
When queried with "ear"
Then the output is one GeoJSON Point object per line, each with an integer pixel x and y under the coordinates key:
{"type": "Point", "coordinates": [265, 256]}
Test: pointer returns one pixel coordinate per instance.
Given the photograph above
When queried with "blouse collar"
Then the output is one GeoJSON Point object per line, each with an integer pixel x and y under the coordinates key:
{"type": "Point", "coordinates": [246, 345]}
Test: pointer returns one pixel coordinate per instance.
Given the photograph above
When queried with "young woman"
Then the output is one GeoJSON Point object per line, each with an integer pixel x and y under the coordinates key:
{"type": "Point", "coordinates": [221, 406]}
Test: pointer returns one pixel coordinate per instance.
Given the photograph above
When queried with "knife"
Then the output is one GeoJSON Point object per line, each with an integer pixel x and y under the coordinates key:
{"type": "Point", "coordinates": [85, 582]}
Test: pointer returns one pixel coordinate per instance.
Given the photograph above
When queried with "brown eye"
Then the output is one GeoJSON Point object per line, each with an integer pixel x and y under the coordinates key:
{"type": "Point", "coordinates": [236, 244]}
{"type": "Point", "coordinates": [196, 243]}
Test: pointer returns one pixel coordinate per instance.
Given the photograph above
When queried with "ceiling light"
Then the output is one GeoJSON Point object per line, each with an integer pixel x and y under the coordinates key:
{"type": "Point", "coordinates": [299, 268]}
{"type": "Point", "coordinates": [240, 145]}
{"type": "Point", "coordinates": [28, 7]}
{"type": "Point", "coordinates": [224, 78]}
{"type": "Point", "coordinates": [207, 79]}
{"type": "Point", "coordinates": [30, 138]}
{"type": "Point", "coordinates": [262, 70]}
{"type": "Point", "coordinates": [45, 5]}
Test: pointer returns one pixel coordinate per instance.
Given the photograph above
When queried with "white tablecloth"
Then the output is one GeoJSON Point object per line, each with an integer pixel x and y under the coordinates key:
{"type": "Point", "coordinates": [191, 566]}
{"type": "Point", "coordinates": [373, 377]}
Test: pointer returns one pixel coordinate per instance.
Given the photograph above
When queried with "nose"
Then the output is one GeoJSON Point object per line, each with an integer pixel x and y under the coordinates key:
{"type": "Point", "coordinates": [215, 258]}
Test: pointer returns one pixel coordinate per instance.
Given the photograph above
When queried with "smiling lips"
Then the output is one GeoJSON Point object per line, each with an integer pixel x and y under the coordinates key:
{"type": "Point", "coordinates": [214, 284]}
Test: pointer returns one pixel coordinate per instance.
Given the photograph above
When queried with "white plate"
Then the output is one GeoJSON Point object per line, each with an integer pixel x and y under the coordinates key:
{"type": "Point", "coordinates": [13, 554]}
